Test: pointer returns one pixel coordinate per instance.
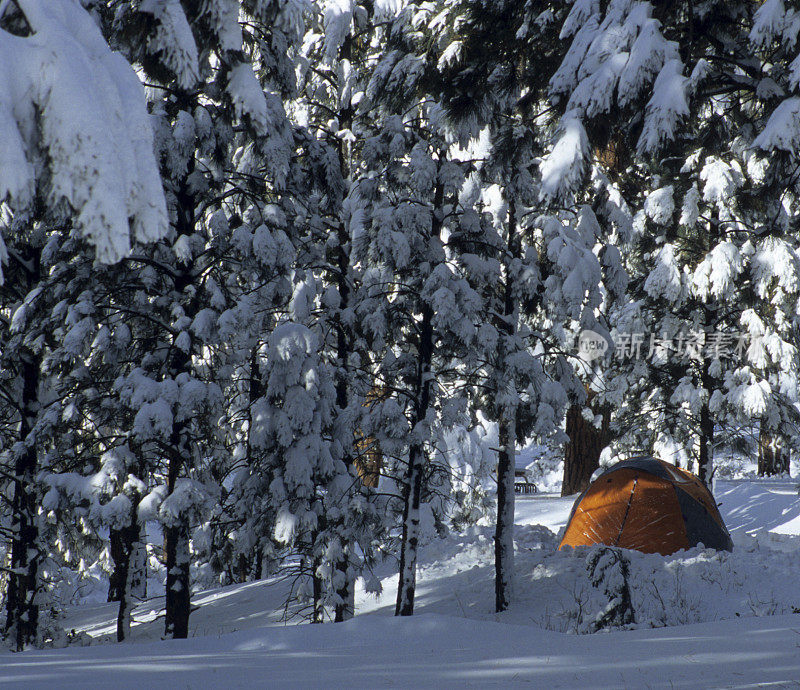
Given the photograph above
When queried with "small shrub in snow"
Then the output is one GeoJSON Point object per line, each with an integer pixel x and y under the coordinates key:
{"type": "Point", "coordinates": [609, 571]}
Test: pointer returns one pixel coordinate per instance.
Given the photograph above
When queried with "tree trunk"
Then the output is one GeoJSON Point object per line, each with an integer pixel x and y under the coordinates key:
{"type": "Point", "coordinates": [504, 530]}
{"type": "Point", "coordinates": [124, 568]}
{"type": "Point", "coordinates": [586, 443]}
{"type": "Point", "coordinates": [176, 536]}
{"type": "Point", "coordinates": [116, 581]}
{"type": "Point", "coordinates": [176, 539]}
{"type": "Point", "coordinates": [344, 610]}
{"type": "Point", "coordinates": [258, 565]}
{"type": "Point", "coordinates": [706, 438]}
{"type": "Point", "coordinates": [772, 457]}
{"type": "Point", "coordinates": [139, 567]}
{"type": "Point", "coordinates": [506, 461]}
{"type": "Point", "coordinates": [176, 546]}
{"type": "Point", "coordinates": [412, 490]}
{"type": "Point", "coordinates": [22, 610]}
{"type": "Point", "coordinates": [408, 550]}
{"type": "Point", "coordinates": [316, 582]}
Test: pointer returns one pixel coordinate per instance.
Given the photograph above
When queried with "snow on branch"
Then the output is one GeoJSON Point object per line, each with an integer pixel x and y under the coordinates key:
{"type": "Point", "coordinates": [782, 130]}
{"type": "Point", "coordinates": [666, 108]}
{"type": "Point", "coordinates": [563, 167]}
{"type": "Point", "coordinates": [65, 92]}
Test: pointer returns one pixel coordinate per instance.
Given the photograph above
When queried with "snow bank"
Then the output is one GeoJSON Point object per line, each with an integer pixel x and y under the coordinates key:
{"type": "Point", "coordinates": [553, 589]}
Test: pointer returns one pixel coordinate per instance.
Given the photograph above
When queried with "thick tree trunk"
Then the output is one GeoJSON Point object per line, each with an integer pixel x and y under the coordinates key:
{"type": "Point", "coordinates": [176, 546]}
{"type": "Point", "coordinates": [772, 457]}
{"type": "Point", "coordinates": [125, 568]}
{"type": "Point", "coordinates": [504, 529]}
{"type": "Point", "coordinates": [586, 443]}
{"type": "Point", "coordinates": [139, 568]}
{"type": "Point", "coordinates": [22, 610]}
{"type": "Point", "coordinates": [176, 539]}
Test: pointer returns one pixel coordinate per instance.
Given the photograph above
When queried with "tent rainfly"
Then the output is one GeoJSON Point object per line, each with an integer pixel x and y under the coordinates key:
{"type": "Point", "coordinates": [647, 505]}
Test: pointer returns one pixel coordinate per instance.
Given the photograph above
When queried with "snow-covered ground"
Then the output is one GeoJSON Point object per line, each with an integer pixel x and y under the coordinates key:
{"type": "Point", "coordinates": [735, 612]}
{"type": "Point", "coordinates": [430, 650]}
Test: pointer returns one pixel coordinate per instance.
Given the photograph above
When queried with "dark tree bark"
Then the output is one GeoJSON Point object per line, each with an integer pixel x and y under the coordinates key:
{"type": "Point", "coordinates": [176, 545]}
{"type": "Point", "coordinates": [316, 583]}
{"type": "Point", "coordinates": [504, 528]}
{"type": "Point", "coordinates": [116, 581]}
{"type": "Point", "coordinates": [586, 443]}
{"type": "Point", "coordinates": [123, 553]}
{"type": "Point", "coordinates": [258, 565]}
{"type": "Point", "coordinates": [410, 540]}
{"type": "Point", "coordinates": [706, 436]}
{"type": "Point", "coordinates": [772, 457]}
{"type": "Point", "coordinates": [176, 548]}
{"type": "Point", "coordinates": [506, 459]}
{"type": "Point", "coordinates": [344, 610]}
{"type": "Point", "coordinates": [22, 610]}
{"type": "Point", "coordinates": [139, 568]}
{"type": "Point", "coordinates": [176, 540]}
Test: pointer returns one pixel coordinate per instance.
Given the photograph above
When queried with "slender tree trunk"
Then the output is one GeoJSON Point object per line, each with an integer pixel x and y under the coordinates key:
{"type": "Point", "coordinates": [586, 443]}
{"type": "Point", "coordinates": [410, 540]}
{"type": "Point", "coordinates": [504, 531]}
{"type": "Point", "coordinates": [412, 489]}
{"type": "Point", "coordinates": [116, 581]}
{"type": "Point", "coordinates": [706, 438]}
{"type": "Point", "coordinates": [506, 464]}
{"type": "Point", "coordinates": [22, 610]}
{"type": "Point", "coordinates": [258, 565]}
{"type": "Point", "coordinates": [316, 583]}
{"type": "Point", "coordinates": [345, 609]}
{"type": "Point", "coordinates": [254, 394]}
{"type": "Point", "coordinates": [139, 567]}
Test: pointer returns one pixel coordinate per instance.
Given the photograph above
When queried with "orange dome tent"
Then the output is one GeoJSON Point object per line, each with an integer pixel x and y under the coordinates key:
{"type": "Point", "coordinates": [647, 505]}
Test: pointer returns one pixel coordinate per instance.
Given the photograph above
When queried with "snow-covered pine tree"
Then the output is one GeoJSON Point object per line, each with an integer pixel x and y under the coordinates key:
{"type": "Point", "coordinates": [537, 270]}
{"type": "Point", "coordinates": [682, 93]}
{"type": "Point", "coordinates": [333, 66]}
{"type": "Point", "coordinates": [417, 309]}
{"type": "Point", "coordinates": [98, 475]}
{"type": "Point", "coordinates": [78, 157]}
{"type": "Point", "coordinates": [774, 36]}
{"type": "Point", "coordinates": [220, 135]}
{"type": "Point", "coordinates": [296, 459]}
{"type": "Point", "coordinates": [22, 344]}
{"type": "Point", "coordinates": [313, 513]}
